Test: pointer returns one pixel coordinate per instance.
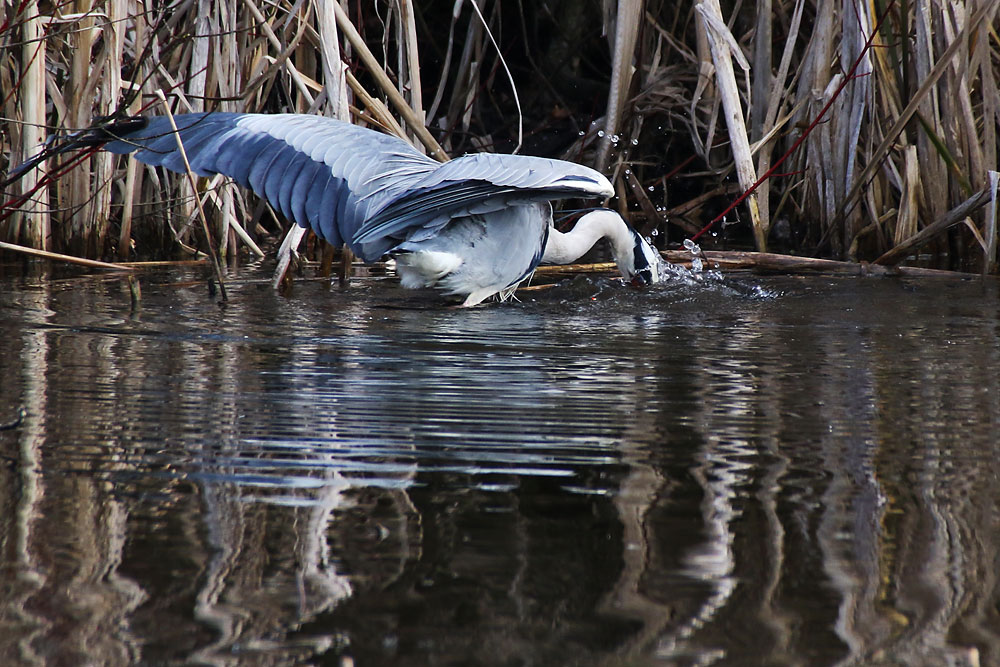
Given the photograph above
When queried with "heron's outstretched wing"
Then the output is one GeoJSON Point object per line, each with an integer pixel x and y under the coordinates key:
{"type": "Point", "coordinates": [480, 183]}
{"type": "Point", "coordinates": [351, 184]}
{"type": "Point", "coordinates": [320, 172]}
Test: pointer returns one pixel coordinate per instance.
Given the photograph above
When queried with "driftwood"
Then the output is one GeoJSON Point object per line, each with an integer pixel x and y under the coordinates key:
{"type": "Point", "coordinates": [759, 262]}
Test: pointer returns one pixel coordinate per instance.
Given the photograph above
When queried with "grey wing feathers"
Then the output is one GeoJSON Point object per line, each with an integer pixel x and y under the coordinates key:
{"type": "Point", "coordinates": [348, 183]}
{"type": "Point", "coordinates": [319, 172]}
{"type": "Point", "coordinates": [482, 183]}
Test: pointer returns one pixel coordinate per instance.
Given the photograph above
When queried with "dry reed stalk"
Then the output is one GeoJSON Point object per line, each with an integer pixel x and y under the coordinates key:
{"type": "Point", "coordinates": [76, 193]}
{"type": "Point", "coordinates": [763, 84]}
{"type": "Point", "coordinates": [107, 69]}
{"type": "Point", "coordinates": [627, 17]}
{"type": "Point", "coordinates": [293, 72]}
{"type": "Point", "coordinates": [133, 176]}
{"type": "Point", "coordinates": [767, 262]}
{"type": "Point", "coordinates": [465, 87]}
{"type": "Point", "coordinates": [35, 221]}
{"type": "Point", "coordinates": [334, 70]}
{"type": "Point", "coordinates": [761, 262]}
{"type": "Point", "coordinates": [411, 82]}
{"type": "Point", "coordinates": [856, 27]}
{"type": "Point", "coordinates": [724, 46]}
{"type": "Point", "coordinates": [198, 65]}
{"type": "Point", "coordinates": [934, 169]}
{"type": "Point", "coordinates": [703, 102]}
{"type": "Point", "coordinates": [221, 192]}
{"type": "Point", "coordinates": [906, 114]}
{"type": "Point", "coordinates": [285, 253]}
{"type": "Point", "coordinates": [814, 79]}
{"type": "Point", "coordinates": [376, 107]}
{"type": "Point", "coordinates": [413, 120]}
{"type": "Point", "coordinates": [906, 222]}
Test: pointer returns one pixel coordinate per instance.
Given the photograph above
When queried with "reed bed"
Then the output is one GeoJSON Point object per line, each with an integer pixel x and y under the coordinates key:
{"type": "Point", "coordinates": [843, 130]}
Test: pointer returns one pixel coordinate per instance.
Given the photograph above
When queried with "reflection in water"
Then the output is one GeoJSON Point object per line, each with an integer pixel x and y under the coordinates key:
{"type": "Point", "coordinates": [682, 477]}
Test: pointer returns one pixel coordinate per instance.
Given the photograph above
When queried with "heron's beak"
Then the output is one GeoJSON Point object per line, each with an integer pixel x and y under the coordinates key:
{"type": "Point", "coordinates": [642, 278]}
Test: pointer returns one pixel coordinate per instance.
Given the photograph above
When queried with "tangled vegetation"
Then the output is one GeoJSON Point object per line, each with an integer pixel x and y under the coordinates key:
{"type": "Point", "coordinates": [866, 131]}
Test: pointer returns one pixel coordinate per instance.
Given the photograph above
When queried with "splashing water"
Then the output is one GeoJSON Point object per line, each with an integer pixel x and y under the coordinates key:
{"type": "Point", "coordinates": [699, 275]}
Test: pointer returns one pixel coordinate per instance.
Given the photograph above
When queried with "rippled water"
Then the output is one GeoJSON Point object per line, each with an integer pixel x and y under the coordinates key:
{"type": "Point", "coordinates": [780, 471]}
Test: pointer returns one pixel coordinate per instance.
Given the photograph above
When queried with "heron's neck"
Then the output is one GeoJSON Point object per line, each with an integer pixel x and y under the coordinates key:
{"type": "Point", "coordinates": [565, 248]}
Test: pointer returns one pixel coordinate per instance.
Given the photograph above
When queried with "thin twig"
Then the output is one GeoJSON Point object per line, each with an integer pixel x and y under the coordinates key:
{"type": "Point", "coordinates": [194, 188]}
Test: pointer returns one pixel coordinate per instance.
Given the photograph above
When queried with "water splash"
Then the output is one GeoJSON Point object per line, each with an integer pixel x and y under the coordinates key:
{"type": "Point", "coordinates": [703, 273]}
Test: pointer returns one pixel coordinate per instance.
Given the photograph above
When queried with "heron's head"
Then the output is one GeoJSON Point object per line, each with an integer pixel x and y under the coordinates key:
{"type": "Point", "coordinates": [638, 261]}
{"type": "Point", "coordinates": [645, 261]}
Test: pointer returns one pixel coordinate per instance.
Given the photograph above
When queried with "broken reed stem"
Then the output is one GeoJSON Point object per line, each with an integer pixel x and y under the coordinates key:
{"type": "Point", "coordinates": [194, 188]}
{"type": "Point", "coordinates": [952, 217]}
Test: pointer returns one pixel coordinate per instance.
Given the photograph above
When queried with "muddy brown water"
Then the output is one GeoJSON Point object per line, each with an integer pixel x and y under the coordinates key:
{"type": "Point", "coordinates": [762, 470]}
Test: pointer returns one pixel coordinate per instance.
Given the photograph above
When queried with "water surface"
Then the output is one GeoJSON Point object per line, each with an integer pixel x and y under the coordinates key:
{"type": "Point", "coordinates": [779, 471]}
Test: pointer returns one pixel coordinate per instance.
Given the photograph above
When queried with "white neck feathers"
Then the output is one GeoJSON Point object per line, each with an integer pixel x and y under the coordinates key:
{"type": "Point", "coordinates": [565, 248]}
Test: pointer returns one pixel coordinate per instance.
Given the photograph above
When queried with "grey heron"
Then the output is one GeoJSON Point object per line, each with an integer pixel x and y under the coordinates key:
{"type": "Point", "coordinates": [475, 226]}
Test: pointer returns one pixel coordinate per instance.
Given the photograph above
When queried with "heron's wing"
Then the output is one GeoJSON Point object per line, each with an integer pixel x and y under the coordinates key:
{"type": "Point", "coordinates": [322, 173]}
{"type": "Point", "coordinates": [479, 183]}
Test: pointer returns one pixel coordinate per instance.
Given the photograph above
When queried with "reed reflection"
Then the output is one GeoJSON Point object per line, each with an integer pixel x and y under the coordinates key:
{"type": "Point", "coordinates": [520, 484]}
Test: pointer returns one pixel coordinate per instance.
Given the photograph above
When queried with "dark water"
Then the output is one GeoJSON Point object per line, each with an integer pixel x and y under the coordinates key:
{"type": "Point", "coordinates": [685, 476]}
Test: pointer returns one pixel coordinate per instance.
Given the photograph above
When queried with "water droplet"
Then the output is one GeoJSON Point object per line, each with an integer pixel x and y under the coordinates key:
{"type": "Point", "coordinates": [600, 133]}
{"type": "Point", "coordinates": [655, 233]}
{"type": "Point", "coordinates": [614, 138]}
{"type": "Point", "coordinates": [635, 142]}
{"type": "Point", "coordinates": [696, 264]}
{"type": "Point", "coordinates": [628, 171]}
{"type": "Point", "coordinates": [581, 133]}
{"type": "Point", "coordinates": [651, 188]}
